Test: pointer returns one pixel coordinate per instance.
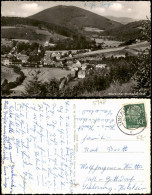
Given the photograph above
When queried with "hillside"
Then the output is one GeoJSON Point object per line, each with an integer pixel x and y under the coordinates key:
{"type": "Point", "coordinates": [34, 30]}
{"type": "Point", "coordinates": [24, 22]}
{"type": "Point", "coordinates": [122, 20]}
{"type": "Point", "coordinates": [74, 18]}
{"type": "Point", "coordinates": [126, 32]}
{"type": "Point", "coordinates": [40, 31]}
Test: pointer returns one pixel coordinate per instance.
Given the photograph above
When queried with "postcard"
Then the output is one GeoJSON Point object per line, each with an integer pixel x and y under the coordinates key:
{"type": "Point", "coordinates": [93, 146]}
{"type": "Point", "coordinates": [75, 49]}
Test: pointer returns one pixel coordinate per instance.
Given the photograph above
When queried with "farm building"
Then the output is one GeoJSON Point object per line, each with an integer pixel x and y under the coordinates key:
{"type": "Point", "coordinates": [81, 74]}
{"type": "Point", "coordinates": [101, 66]}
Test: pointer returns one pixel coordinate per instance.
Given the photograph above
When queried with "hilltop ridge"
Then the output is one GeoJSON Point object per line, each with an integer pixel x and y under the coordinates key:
{"type": "Point", "coordinates": [74, 17]}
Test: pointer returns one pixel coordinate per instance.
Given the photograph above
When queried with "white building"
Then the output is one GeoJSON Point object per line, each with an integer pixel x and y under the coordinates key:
{"type": "Point", "coordinates": [101, 66]}
{"type": "Point", "coordinates": [78, 63]}
{"type": "Point", "coordinates": [5, 61]}
{"type": "Point", "coordinates": [81, 74]}
{"type": "Point", "coordinates": [84, 66]}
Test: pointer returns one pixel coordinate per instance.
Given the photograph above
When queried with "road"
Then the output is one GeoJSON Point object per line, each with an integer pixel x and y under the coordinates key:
{"type": "Point", "coordinates": [102, 51]}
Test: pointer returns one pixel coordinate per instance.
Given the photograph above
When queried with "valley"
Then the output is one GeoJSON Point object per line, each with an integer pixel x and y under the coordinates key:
{"type": "Point", "coordinates": [64, 53]}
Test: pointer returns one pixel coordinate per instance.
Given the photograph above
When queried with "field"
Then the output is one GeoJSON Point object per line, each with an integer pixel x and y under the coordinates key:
{"type": "Point", "coordinates": [90, 29]}
{"type": "Point", "coordinates": [8, 73]}
{"type": "Point", "coordinates": [29, 33]}
{"type": "Point", "coordinates": [109, 43]}
{"type": "Point", "coordinates": [45, 74]}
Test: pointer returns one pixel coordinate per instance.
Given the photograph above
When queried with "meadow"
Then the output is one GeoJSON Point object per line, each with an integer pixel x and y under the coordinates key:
{"type": "Point", "coordinates": [109, 43]}
{"type": "Point", "coordinates": [8, 73]}
{"type": "Point", "coordinates": [91, 29]}
{"type": "Point", "coordinates": [44, 75]}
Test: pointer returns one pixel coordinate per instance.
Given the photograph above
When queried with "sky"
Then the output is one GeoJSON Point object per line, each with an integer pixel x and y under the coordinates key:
{"type": "Point", "coordinates": [132, 9]}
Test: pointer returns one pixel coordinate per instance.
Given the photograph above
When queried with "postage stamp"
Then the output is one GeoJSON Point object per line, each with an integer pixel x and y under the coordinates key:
{"type": "Point", "coordinates": [131, 119]}
{"type": "Point", "coordinates": [135, 116]}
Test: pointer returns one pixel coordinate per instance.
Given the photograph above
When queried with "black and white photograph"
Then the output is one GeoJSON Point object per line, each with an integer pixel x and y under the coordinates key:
{"type": "Point", "coordinates": [75, 49]}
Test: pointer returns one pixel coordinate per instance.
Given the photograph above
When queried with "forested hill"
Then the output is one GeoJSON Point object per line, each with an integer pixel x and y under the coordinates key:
{"type": "Point", "coordinates": [126, 32]}
{"type": "Point", "coordinates": [17, 21]}
{"type": "Point", "coordinates": [74, 18]}
{"type": "Point", "coordinates": [73, 39]}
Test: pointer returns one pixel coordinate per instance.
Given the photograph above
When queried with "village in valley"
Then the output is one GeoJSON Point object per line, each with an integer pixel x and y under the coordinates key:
{"type": "Point", "coordinates": [88, 55]}
{"type": "Point", "coordinates": [71, 62]}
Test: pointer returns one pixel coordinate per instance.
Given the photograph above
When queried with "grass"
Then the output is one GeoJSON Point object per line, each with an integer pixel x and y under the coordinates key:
{"type": "Point", "coordinates": [31, 33]}
{"type": "Point", "coordinates": [108, 42]}
{"type": "Point", "coordinates": [45, 73]}
{"type": "Point", "coordinates": [8, 73]}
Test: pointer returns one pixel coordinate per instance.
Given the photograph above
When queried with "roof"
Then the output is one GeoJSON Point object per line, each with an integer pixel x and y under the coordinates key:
{"type": "Point", "coordinates": [100, 65]}
{"type": "Point", "coordinates": [22, 57]}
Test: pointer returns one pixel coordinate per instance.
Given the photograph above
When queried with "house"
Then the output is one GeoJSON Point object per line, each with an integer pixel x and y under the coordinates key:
{"type": "Point", "coordinates": [101, 66]}
{"type": "Point", "coordinates": [47, 59]}
{"type": "Point", "coordinates": [84, 66]}
{"type": "Point", "coordinates": [23, 58]}
{"type": "Point", "coordinates": [51, 44]}
{"type": "Point", "coordinates": [5, 61]}
{"type": "Point", "coordinates": [6, 42]}
{"type": "Point", "coordinates": [78, 63]}
{"type": "Point", "coordinates": [76, 66]}
{"type": "Point", "coordinates": [73, 69]}
{"type": "Point", "coordinates": [137, 40]}
{"type": "Point", "coordinates": [46, 44]}
{"type": "Point", "coordinates": [56, 54]}
{"type": "Point", "coordinates": [70, 56]}
{"type": "Point", "coordinates": [81, 74]}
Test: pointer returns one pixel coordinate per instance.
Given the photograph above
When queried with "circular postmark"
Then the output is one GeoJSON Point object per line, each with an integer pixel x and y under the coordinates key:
{"type": "Point", "coordinates": [122, 120]}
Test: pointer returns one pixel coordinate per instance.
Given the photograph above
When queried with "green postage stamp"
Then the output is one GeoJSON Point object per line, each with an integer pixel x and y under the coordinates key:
{"type": "Point", "coordinates": [131, 119]}
{"type": "Point", "coordinates": [135, 116]}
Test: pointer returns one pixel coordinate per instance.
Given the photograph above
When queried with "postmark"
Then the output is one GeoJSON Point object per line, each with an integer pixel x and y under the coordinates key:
{"type": "Point", "coordinates": [131, 119]}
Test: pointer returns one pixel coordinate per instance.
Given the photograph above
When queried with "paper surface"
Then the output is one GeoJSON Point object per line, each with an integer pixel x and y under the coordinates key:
{"type": "Point", "coordinates": [73, 146]}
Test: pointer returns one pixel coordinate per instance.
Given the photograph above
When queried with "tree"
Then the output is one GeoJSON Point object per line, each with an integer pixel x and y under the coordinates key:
{"type": "Point", "coordinates": [33, 88]}
{"type": "Point", "coordinates": [5, 82]}
{"type": "Point", "coordinates": [36, 88]}
{"type": "Point", "coordinates": [143, 76]}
